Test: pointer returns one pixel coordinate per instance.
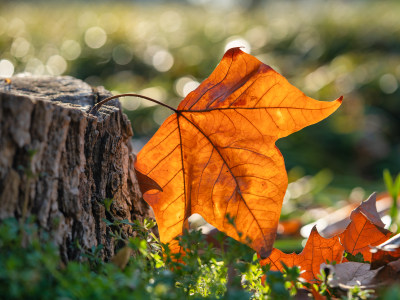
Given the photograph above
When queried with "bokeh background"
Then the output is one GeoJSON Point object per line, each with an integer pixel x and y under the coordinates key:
{"type": "Point", "coordinates": [163, 49]}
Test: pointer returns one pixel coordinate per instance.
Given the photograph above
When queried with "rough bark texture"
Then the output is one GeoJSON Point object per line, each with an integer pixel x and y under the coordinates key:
{"type": "Point", "coordinates": [59, 164]}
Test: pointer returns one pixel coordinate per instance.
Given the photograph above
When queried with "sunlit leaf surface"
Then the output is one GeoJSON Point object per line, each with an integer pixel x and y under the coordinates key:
{"type": "Point", "coordinates": [363, 232]}
{"type": "Point", "coordinates": [317, 251]}
{"type": "Point", "coordinates": [216, 155]}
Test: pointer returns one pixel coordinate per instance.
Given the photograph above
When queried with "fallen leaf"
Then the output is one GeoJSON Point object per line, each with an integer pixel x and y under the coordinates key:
{"type": "Point", "coordinates": [317, 250]}
{"type": "Point", "coordinates": [388, 273]}
{"type": "Point", "coordinates": [121, 259]}
{"type": "Point", "coordinates": [360, 235]}
{"type": "Point", "coordinates": [395, 265]}
{"type": "Point", "coordinates": [337, 221]}
{"type": "Point", "coordinates": [365, 229]}
{"type": "Point", "coordinates": [289, 227]}
{"type": "Point", "coordinates": [386, 252]}
{"type": "Point", "coordinates": [216, 155]}
{"type": "Point", "coordinates": [349, 274]}
{"type": "Point", "coordinates": [369, 209]}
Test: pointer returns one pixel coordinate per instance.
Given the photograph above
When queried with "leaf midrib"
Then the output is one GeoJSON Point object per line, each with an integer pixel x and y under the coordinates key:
{"type": "Point", "coordinates": [179, 113]}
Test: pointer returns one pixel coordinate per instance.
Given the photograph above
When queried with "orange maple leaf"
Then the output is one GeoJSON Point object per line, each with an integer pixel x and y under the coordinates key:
{"type": "Point", "coordinates": [365, 230]}
{"type": "Point", "coordinates": [216, 155]}
{"type": "Point", "coordinates": [316, 251]}
{"type": "Point", "coordinates": [387, 252]}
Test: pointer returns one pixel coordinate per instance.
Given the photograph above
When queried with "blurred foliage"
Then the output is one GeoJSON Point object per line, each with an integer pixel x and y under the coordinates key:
{"type": "Point", "coordinates": [163, 50]}
{"type": "Point", "coordinates": [31, 268]}
{"type": "Point", "coordinates": [393, 187]}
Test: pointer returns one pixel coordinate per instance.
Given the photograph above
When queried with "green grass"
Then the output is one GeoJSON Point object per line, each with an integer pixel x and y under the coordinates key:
{"type": "Point", "coordinates": [30, 268]}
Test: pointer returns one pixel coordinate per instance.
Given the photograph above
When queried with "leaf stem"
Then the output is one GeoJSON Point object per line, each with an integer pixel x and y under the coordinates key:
{"type": "Point", "coordinates": [95, 108]}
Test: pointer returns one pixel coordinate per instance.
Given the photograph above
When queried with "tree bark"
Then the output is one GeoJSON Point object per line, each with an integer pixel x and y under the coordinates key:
{"type": "Point", "coordinates": [59, 163]}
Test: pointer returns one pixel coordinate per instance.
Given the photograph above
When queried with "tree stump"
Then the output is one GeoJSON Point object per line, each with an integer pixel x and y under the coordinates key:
{"type": "Point", "coordinates": [59, 163]}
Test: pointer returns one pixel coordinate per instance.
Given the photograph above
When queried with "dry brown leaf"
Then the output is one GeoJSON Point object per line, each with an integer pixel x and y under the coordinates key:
{"type": "Point", "coordinates": [121, 259]}
{"type": "Point", "coordinates": [386, 252]}
{"type": "Point", "coordinates": [349, 274]}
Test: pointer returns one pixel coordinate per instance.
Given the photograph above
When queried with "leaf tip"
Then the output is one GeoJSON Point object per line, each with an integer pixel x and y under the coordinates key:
{"type": "Point", "coordinates": [314, 229]}
{"type": "Point", "coordinates": [372, 197]}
